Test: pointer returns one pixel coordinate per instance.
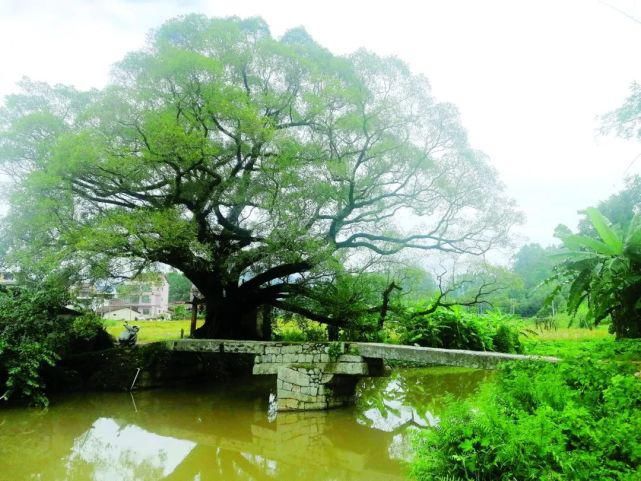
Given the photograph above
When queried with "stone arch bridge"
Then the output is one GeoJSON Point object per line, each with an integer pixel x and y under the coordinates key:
{"type": "Point", "coordinates": [324, 375]}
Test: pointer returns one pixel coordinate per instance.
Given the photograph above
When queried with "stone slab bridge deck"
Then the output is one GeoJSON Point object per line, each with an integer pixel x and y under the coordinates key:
{"type": "Point", "coordinates": [324, 375]}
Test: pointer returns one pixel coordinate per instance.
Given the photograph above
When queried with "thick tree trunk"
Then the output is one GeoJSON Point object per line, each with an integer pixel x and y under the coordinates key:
{"type": "Point", "coordinates": [626, 317]}
{"type": "Point", "coordinates": [626, 325]}
{"type": "Point", "coordinates": [194, 318]}
{"type": "Point", "coordinates": [229, 319]}
{"type": "Point", "coordinates": [332, 332]}
{"type": "Point", "coordinates": [385, 306]}
{"type": "Point", "coordinates": [266, 319]}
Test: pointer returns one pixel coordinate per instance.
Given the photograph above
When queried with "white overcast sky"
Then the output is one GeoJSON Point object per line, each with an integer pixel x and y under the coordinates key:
{"type": "Point", "coordinates": [530, 78]}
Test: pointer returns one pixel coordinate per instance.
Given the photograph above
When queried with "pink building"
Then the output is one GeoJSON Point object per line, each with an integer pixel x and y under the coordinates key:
{"type": "Point", "coordinates": [149, 300]}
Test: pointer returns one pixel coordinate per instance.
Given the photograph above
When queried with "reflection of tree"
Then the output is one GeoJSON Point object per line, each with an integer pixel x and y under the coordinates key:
{"type": "Point", "coordinates": [413, 396]}
{"type": "Point", "coordinates": [112, 450]}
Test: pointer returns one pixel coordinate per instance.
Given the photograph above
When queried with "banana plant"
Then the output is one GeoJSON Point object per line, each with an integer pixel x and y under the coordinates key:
{"type": "Point", "coordinates": [604, 274]}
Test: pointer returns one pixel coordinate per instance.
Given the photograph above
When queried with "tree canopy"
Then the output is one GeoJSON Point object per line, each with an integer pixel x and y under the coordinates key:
{"type": "Point", "coordinates": [259, 167]}
{"type": "Point", "coordinates": [179, 287]}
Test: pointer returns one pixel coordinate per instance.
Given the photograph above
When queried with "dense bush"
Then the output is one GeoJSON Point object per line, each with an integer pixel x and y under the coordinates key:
{"type": "Point", "coordinates": [180, 312]}
{"type": "Point", "coordinates": [85, 333]}
{"type": "Point", "coordinates": [36, 330]}
{"type": "Point", "coordinates": [299, 330]}
{"type": "Point", "coordinates": [577, 420]}
{"type": "Point", "coordinates": [364, 329]}
{"type": "Point", "coordinates": [506, 339]}
{"type": "Point", "coordinates": [455, 329]}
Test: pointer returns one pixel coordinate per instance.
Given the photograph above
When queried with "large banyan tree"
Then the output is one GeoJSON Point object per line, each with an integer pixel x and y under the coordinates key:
{"type": "Point", "coordinates": [257, 166]}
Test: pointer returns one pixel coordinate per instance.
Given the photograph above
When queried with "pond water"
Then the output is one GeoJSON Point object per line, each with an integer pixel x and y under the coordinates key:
{"type": "Point", "coordinates": [227, 432]}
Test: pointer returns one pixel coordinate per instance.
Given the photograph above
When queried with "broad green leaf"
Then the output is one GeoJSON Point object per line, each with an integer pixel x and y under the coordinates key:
{"type": "Point", "coordinates": [605, 230]}
{"type": "Point", "coordinates": [632, 247]}
{"type": "Point", "coordinates": [566, 254]}
{"type": "Point", "coordinates": [576, 242]}
{"type": "Point", "coordinates": [579, 290]}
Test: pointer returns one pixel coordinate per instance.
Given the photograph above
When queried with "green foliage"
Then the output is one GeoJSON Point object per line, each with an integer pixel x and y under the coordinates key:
{"type": "Point", "coordinates": [506, 339]}
{"type": "Point", "coordinates": [179, 287]}
{"type": "Point", "coordinates": [35, 331]}
{"type": "Point", "coordinates": [363, 328]}
{"type": "Point", "coordinates": [597, 348]}
{"type": "Point", "coordinates": [180, 312]}
{"type": "Point", "coordinates": [20, 367]}
{"type": "Point", "coordinates": [355, 302]}
{"type": "Point", "coordinates": [604, 274]}
{"type": "Point", "coordinates": [334, 350]}
{"type": "Point", "coordinates": [29, 339]}
{"type": "Point", "coordinates": [456, 329]}
{"type": "Point", "coordinates": [533, 264]}
{"type": "Point", "coordinates": [298, 329]}
{"type": "Point", "coordinates": [578, 420]}
{"type": "Point", "coordinates": [415, 282]}
{"type": "Point", "coordinates": [86, 333]}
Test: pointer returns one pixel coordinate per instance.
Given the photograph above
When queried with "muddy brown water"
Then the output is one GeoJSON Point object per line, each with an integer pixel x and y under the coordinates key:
{"type": "Point", "coordinates": [227, 432]}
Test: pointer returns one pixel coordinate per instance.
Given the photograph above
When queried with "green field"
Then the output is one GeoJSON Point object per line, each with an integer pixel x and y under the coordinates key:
{"type": "Point", "coordinates": [152, 331]}
{"type": "Point", "coordinates": [568, 342]}
{"type": "Point", "coordinates": [564, 340]}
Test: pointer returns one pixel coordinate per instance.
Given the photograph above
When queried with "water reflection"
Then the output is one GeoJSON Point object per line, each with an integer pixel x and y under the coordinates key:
{"type": "Point", "coordinates": [126, 452]}
{"type": "Point", "coordinates": [413, 397]}
{"type": "Point", "coordinates": [225, 433]}
{"type": "Point", "coordinates": [311, 445]}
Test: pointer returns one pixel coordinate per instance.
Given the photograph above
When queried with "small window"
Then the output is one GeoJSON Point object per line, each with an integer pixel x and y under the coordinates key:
{"type": "Point", "coordinates": [145, 312]}
{"type": "Point", "coordinates": [145, 299]}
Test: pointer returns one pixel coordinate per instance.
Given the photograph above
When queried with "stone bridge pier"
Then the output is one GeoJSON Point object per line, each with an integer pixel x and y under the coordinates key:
{"type": "Point", "coordinates": [314, 376]}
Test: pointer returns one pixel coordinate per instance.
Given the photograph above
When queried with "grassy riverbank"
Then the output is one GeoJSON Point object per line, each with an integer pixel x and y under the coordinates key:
{"type": "Point", "coordinates": [575, 420]}
{"type": "Point", "coordinates": [564, 341]}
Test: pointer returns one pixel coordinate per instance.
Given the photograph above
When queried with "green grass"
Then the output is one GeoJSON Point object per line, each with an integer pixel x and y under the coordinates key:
{"type": "Point", "coordinates": [152, 331]}
{"type": "Point", "coordinates": [565, 341]}
{"type": "Point", "coordinates": [569, 342]}
{"type": "Point", "coordinates": [573, 334]}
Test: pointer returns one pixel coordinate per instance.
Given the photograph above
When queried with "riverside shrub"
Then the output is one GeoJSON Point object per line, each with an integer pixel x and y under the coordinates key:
{"type": "Point", "coordinates": [576, 420]}
{"type": "Point", "coordinates": [455, 329]}
{"type": "Point", "coordinates": [299, 330]}
{"type": "Point", "coordinates": [35, 331]}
